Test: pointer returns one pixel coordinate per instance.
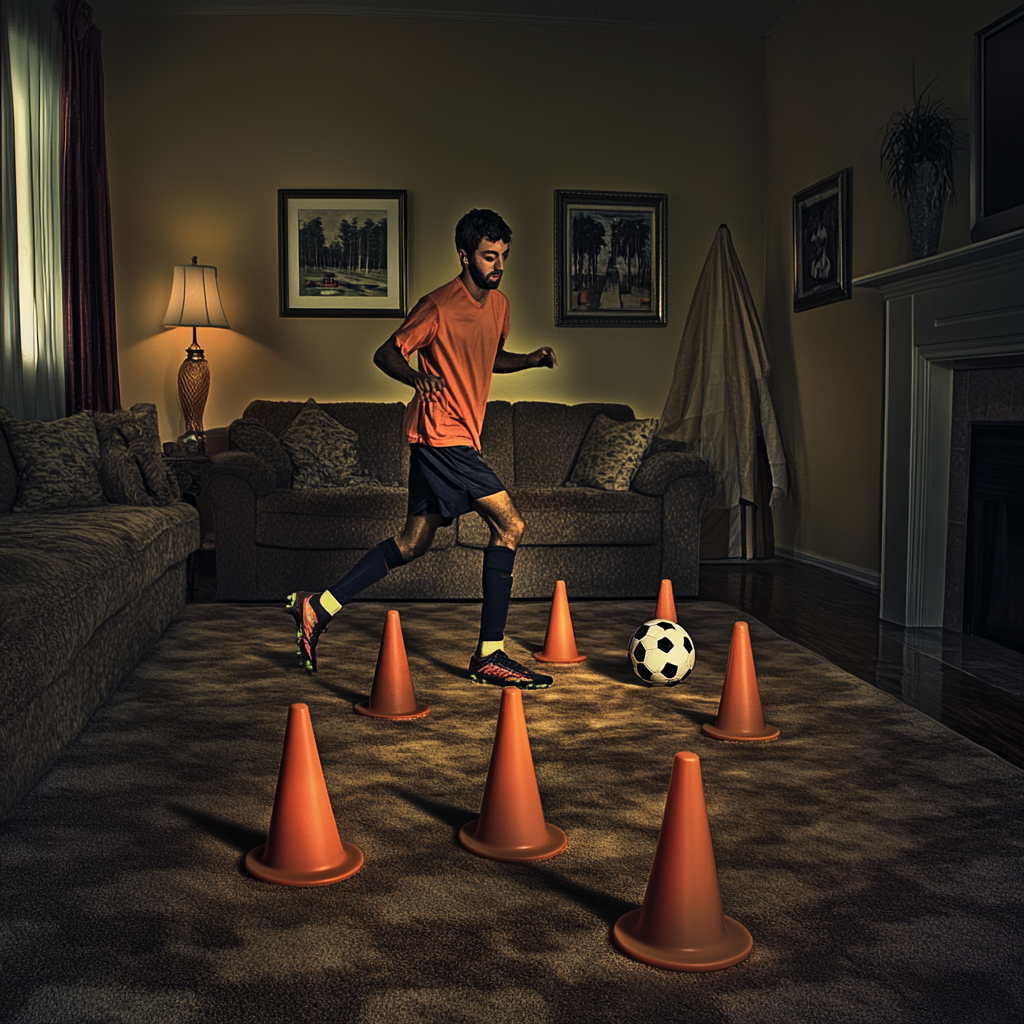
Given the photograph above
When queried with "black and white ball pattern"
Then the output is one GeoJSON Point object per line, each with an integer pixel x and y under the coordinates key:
{"type": "Point", "coordinates": [662, 652]}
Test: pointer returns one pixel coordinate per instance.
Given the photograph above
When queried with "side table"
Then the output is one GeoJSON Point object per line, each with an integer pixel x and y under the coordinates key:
{"type": "Point", "coordinates": [189, 468]}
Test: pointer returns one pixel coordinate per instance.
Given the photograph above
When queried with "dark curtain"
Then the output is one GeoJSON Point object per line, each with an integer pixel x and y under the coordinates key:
{"type": "Point", "coordinates": [87, 259]}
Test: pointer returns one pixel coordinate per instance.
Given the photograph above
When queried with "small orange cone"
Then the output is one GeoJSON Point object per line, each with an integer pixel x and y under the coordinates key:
{"type": "Point", "coordinates": [666, 603]}
{"type": "Point", "coordinates": [391, 695]}
{"type": "Point", "coordinates": [739, 712]}
{"type": "Point", "coordinates": [559, 641]}
{"type": "Point", "coordinates": [511, 825]}
{"type": "Point", "coordinates": [680, 924]}
{"type": "Point", "coordinates": [303, 846]}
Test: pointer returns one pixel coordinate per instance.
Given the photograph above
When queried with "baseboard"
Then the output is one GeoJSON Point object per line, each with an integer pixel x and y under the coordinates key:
{"type": "Point", "coordinates": [851, 572]}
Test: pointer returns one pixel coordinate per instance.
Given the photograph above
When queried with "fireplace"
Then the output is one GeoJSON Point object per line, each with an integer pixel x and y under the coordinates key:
{"type": "Point", "coordinates": [949, 318]}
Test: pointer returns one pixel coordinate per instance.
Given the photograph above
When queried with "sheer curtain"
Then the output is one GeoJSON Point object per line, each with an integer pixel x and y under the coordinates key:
{"type": "Point", "coordinates": [32, 367]}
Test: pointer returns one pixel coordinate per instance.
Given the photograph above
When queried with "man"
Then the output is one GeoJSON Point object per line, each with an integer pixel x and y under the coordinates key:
{"type": "Point", "coordinates": [459, 333]}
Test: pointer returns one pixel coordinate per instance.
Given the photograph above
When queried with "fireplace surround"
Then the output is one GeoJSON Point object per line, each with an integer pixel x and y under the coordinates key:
{"type": "Point", "coordinates": [959, 310]}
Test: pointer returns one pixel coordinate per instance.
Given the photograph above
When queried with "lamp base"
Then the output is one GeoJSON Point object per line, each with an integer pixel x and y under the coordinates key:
{"type": "Point", "coordinates": [193, 391]}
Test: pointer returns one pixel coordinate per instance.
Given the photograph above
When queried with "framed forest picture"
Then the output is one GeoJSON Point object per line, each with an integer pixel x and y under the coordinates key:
{"type": "Point", "coordinates": [342, 252]}
{"type": "Point", "coordinates": [610, 250]}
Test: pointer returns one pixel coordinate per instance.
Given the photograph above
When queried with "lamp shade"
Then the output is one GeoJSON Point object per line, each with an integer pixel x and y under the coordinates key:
{"type": "Point", "coordinates": [195, 298]}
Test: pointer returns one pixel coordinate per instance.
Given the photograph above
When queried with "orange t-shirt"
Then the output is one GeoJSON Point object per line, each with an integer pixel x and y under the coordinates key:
{"type": "Point", "coordinates": [457, 338]}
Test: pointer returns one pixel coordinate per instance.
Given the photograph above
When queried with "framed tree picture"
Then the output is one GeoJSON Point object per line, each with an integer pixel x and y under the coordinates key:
{"type": "Point", "coordinates": [342, 252]}
{"type": "Point", "coordinates": [821, 242]}
{"type": "Point", "coordinates": [610, 250]}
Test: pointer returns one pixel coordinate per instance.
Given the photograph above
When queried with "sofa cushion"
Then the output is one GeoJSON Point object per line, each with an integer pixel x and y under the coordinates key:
{"type": "Point", "coordinates": [250, 435]}
{"type": "Point", "coordinates": [324, 452]}
{"type": "Point", "coordinates": [57, 462]}
{"type": "Point", "coordinates": [548, 436]}
{"type": "Point", "coordinates": [131, 468]}
{"type": "Point", "coordinates": [612, 453]}
{"type": "Point", "coordinates": [575, 516]}
{"type": "Point", "coordinates": [321, 519]}
{"type": "Point", "coordinates": [8, 476]}
{"type": "Point", "coordinates": [95, 560]}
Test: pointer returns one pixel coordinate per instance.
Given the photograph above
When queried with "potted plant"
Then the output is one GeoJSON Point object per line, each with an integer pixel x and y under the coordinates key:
{"type": "Point", "coordinates": [918, 151]}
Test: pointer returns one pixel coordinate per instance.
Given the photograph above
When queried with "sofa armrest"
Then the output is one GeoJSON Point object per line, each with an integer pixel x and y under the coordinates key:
{"type": "Point", "coordinates": [682, 508]}
{"type": "Point", "coordinates": [658, 471]}
{"type": "Point", "coordinates": [234, 482]}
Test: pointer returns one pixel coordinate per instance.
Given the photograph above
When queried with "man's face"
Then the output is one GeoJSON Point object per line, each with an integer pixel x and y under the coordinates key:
{"type": "Point", "coordinates": [487, 263]}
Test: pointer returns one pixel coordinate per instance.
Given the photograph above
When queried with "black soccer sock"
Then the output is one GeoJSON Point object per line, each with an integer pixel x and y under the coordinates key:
{"type": "Point", "coordinates": [497, 585]}
{"type": "Point", "coordinates": [373, 566]}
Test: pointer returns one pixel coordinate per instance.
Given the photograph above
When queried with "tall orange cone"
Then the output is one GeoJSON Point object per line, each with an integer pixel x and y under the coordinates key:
{"type": "Point", "coordinates": [666, 608]}
{"type": "Point", "coordinates": [511, 825]}
{"type": "Point", "coordinates": [391, 695]}
{"type": "Point", "coordinates": [559, 641]}
{"type": "Point", "coordinates": [680, 924]}
{"type": "Point", "coordinates": [739, 712]}
{"type": "Point", "coordinates": [303, 846]}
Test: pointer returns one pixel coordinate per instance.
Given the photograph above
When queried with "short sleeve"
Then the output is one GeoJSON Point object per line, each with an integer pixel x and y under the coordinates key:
{"type": "Point", "coordinates": [419, 329]}
{"type": "Point", "coordinates": [506, 326]}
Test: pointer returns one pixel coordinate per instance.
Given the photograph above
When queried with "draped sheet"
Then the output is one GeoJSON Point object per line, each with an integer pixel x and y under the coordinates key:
{"type": "Point", "coordinates": [719, 400]}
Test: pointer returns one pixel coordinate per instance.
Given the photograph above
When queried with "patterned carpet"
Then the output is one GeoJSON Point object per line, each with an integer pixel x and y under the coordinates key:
{"type": "Point", "coordinates": [874, 855]}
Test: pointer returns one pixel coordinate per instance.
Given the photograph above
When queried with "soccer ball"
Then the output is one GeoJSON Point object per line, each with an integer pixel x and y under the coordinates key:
{"type": "Point", "coordinates": [662, 652]}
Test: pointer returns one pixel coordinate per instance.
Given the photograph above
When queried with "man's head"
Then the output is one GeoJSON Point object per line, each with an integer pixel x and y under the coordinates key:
{"type": "Point", "coordinates": [482, 239]}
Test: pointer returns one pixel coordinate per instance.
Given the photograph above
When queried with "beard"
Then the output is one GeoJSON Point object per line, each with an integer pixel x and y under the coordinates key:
{"type": "Point", "coordinates": [484, 280]}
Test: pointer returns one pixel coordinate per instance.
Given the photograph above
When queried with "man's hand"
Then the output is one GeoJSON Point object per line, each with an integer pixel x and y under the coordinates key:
{"type": "Point", "coordinates": [429, 388]}
{"type": "Point", "coordinates": [389, 359]}
{"type": "Point", "coordinates": [543, 357]}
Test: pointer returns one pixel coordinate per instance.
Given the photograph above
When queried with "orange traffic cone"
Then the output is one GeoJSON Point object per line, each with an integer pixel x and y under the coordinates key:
{"type": "Point", "coordinates": [391, 695]}
{"type": "Point", "coordinates": [303, 846]}
{"type": "Point", "coordinates": [559, 641]}
{"type": "Point", "coordinates": [666, 603]}
{"type": "Point", "coordinates": [739, 712]}
{"type": "Point", "coordinates": [511, 825]}
{"type": "Point", "coordinates": [680, 924]}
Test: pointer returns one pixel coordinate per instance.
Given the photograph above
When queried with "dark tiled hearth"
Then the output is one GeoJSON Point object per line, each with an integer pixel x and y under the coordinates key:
{"type": "Point", "coordinates": [971, 685]}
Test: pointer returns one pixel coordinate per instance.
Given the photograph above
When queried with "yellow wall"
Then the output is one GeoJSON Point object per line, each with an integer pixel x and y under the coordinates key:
{"type": "Point", "coordinates": [835, 73]}
{"type": "Point", "coordinates": [207, 117]}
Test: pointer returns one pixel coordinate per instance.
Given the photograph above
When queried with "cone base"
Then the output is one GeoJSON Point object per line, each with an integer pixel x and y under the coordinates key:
{"type": "Point", "coordinates": [770, 733]}
{"type": "Point", "coordinates": [325, 876]}
{"type": "Point", "coordinates": [734, 948]}
{"type": "Point", "coordinates": [365, 709]}
{"type": "Point", "coordinates": [550, 659]}
{"type": "Point", "coordinates": [555, 844]}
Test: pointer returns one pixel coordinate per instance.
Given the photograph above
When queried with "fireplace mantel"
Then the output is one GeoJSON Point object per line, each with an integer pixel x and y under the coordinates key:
{"type": "Point", "coordinates": [960, 308]}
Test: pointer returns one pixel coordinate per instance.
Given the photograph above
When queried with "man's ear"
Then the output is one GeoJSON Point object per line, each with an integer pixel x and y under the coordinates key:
{"type": "Point", "coordinates": [463, 257]}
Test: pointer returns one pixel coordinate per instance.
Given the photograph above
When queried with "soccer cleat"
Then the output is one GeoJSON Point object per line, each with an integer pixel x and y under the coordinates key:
{"type": "Point", "coordinates": [498, 669]}
{"type": "Point", "coordinates": [307, 627]}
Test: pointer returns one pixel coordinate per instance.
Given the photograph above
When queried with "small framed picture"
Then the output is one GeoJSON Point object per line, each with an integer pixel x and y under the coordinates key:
{"type": "Point", "coordinates": [342, 252]}
{"type": "Point", "coordinates": [610, 250]}
{"type": "Point", "coordinates": [821, 242]}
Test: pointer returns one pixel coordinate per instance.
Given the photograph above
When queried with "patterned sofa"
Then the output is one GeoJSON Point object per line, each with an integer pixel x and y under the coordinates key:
{"type": "Point", "coordinates": [273, 538]}
{"type": "Point", "coordinates": [92, 570]}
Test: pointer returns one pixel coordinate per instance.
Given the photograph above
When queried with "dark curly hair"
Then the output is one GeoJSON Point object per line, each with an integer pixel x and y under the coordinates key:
{"type": "Point", "coordinates": [478, 225]}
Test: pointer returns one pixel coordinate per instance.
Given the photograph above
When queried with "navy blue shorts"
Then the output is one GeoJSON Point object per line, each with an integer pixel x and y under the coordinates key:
{"type": "Point", "coordinates": [448, 480]}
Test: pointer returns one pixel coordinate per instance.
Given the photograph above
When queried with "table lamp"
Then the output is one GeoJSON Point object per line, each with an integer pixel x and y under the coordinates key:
{"type": "Point", "coordinates": [195, 302]}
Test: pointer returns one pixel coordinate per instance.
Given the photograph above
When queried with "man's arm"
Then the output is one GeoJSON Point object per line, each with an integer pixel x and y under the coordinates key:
{"type": "Point", "coordinates": [390, 360]}
{"type": "Point", "coordinates": [510, 362]}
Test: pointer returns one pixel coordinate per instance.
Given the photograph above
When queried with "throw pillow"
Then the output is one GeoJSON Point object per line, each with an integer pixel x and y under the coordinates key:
{"type": "Point", "coordinates": [57, 462]}
{"type": "Point", "coordinates": [323, 452]}
{"type": "Point", "coordinates": [132, 468]}
{"type": "Point", "coordinates": [249, 435]}
{"type": "Point", "coordinates": [612, 453]}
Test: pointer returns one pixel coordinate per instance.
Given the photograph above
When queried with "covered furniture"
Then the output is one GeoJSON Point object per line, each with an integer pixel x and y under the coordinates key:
{"type": "Point", "coordinates": [87, 583]}
{"type": "Point", "coordinates": [273, 538]}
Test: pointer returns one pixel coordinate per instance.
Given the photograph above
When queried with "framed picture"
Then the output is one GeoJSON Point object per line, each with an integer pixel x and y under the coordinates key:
{"type": "Point", "coordinates": [342, 252]}
{"type": "Point", "coordinates": [610, 250]}
{"type": "Point", "coordinates": [821, 242]}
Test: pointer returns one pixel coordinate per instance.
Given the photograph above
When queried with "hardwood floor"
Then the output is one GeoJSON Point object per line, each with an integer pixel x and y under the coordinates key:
{"type": "Point", "coordinates": [973, 686]}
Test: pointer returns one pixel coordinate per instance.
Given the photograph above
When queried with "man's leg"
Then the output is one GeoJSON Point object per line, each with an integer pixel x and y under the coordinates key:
{"type": "Point", "coordinates": [312, 612]}
{"type": "Point", "coordinates": [490, 664]}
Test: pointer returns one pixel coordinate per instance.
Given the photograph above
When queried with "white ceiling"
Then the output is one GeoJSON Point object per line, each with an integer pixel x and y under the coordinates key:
{"type": "Point", "coordinates": [761, 18]}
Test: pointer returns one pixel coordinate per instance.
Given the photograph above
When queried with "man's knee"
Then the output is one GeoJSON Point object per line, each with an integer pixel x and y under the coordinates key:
{"type": "Point", "coordinates": [509, 531]}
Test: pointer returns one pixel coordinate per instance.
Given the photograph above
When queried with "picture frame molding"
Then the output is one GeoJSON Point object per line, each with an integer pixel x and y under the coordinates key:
{"type": "Point", "coordinates": [564, 316]}
{"type": "Point", "coordinates": [843, 288]}
{"type": "Point", "coordinates": [361, 310]}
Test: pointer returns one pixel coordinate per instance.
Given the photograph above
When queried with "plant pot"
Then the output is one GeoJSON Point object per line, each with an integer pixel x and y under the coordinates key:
{"type": "Point", "coordinates": [925, 206]}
